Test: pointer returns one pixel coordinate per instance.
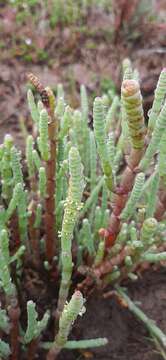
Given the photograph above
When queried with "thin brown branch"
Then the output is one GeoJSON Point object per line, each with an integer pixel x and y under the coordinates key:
{"type": "Point", "coordinates": [47, 98]}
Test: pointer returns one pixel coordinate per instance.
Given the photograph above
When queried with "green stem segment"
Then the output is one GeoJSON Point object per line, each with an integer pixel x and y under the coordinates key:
{"type": "Point", "coordinates": [72, 207]}
{"type": "Point", "coordinates": [158, 100]}
{"type": "Point", "coordinates": [101, 139]}
{"type": "Point", "coordinates": [132, 104]}
{"type": "Point", "coordinates": [50, 216]}
{"type": "Point", "coordinates": [68, 316]}
{"type": "Point", "coordinates": [132, 101]}
{"type": "Point", "coordinates": [79, 344]}
{"type": "Point", "coordinates": [158, 131]}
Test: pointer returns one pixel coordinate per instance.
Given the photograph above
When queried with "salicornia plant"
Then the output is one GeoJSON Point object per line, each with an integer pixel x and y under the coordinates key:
{"type": "Point", "coordinates": [83, 203]}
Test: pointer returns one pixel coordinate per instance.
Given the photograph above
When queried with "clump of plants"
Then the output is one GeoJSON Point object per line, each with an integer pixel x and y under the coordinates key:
{"type": "Point", "coordinates": [86, 206]}
{"type": "Point", "coordinates": [59, 11]}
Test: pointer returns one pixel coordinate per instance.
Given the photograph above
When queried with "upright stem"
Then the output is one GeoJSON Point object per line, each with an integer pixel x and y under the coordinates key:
{"type": "Point", "coordinates": [32, 349]}
{"type": "Point", "coordinates": [161, 203]}
{"type": "Point", "coordinates": [67, 318]}
{"type": "Point", "coordinates": [34, 232]}
{"type": "Point", "coordinates": [50, 220]}
{"type": "Point", "coordinates": [121, 194]}
{"type": "Point", "coordinates": [72, 206]}
{"type": "Point", "coordinates": [14, 228]}
{"type": "Point", "coordinates": [132, 105]}
{"type": "Point", "coordinates": [47, 98]}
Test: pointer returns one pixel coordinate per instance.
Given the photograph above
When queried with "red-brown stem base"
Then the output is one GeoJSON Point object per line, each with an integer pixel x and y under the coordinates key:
{"type": "Point", "coordinates": [14, 315]}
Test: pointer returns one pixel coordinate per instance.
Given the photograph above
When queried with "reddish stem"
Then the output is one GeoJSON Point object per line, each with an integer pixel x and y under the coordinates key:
{"type": "Point", "coordinates": [32, 349]}
{"type": "Point", "coordinates": [15, 230]}
{"type": "Point", "coordinates": [14, 315]}
{"type": "Point", "coordinates": [108, 265]}
{"type": "Point", "coordinates": [124, 11]}
{"type": "Point", "coordinates": [53, 353]}
{"type": "Point", "coordinates": [161, 203]}
{"type": "Point", "coordinates": [50, 220]}
{"type": "Point", "coordinates": [47, 98]}
{"type": "Point", "coordinates": [105, 268]}
{"type": "Point", "coordinates": [121, 195]}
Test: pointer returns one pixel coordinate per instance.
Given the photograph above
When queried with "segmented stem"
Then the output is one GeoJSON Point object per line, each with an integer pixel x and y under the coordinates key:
{"type": "Point", "coordinates": [68, 317]}
{"type": "Point", "coordinates": [155, 140]}
{"type": "Point", "coordinates": [132, 101]}
{"type": "Point", "coordinates": [72, 207]}
{"type": "Point", "coordinates": [158, 100]}
{"type": "Point", "coordinates": [100, 135]}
